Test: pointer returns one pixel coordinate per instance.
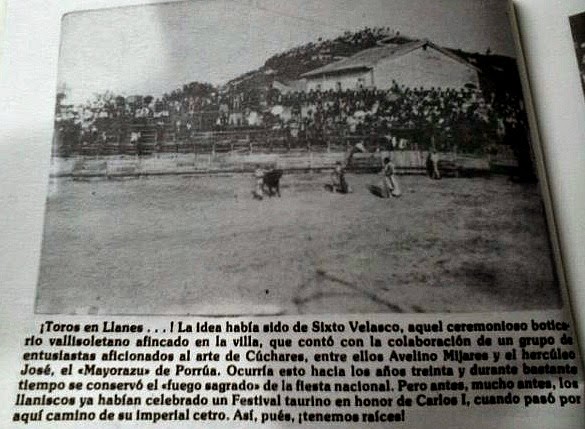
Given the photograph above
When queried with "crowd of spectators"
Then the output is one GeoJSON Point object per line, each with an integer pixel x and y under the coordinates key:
{"type": "Point", "coordinates": [464, 117]}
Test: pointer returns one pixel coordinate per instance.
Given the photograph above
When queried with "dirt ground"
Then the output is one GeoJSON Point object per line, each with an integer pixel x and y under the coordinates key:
{"type": "Point", "coordinates": [202, 245]}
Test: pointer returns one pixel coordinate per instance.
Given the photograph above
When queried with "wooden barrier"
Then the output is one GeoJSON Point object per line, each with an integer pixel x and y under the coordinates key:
{"type": "Point", "coordinates": [406, 162]}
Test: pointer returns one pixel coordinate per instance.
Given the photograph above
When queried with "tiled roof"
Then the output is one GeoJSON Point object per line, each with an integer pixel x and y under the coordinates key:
{"type": "Point", "coordinates": [368, 58]}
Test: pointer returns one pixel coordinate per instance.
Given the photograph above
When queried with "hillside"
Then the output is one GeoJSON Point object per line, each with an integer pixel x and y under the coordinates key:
{"type": "Point", "coordinates": [290, 65]}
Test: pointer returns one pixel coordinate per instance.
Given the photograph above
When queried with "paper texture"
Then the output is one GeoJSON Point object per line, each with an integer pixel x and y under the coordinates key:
{"type": "Point", "coordinates": [546, 39]}
{"type": "Point", "coordinates": [340, 200]}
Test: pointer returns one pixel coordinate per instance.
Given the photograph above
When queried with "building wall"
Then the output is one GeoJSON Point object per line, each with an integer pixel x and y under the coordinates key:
{"type": "Point", "coordinates": [421, 67]}
{"type": "Point", "coordinates": [426, 68]}
{"type": "Point", "coordinates": [347, 80]}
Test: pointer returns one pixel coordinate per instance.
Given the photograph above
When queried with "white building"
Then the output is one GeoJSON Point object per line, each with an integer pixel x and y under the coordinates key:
{"type": "Point", "coordinates": [415, 64]}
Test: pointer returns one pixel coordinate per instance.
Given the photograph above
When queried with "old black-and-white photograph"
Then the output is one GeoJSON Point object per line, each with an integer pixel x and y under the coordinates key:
{"type": "Point", "coordinates": [578, 30]}
{"type": "Point", "coordinates": [292, 157]}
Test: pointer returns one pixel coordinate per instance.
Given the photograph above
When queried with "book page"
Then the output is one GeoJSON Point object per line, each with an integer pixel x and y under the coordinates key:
{"type": "Point", "coordinates": [553, 61]}
{"type": "Point", "coordinates": [275, 214]}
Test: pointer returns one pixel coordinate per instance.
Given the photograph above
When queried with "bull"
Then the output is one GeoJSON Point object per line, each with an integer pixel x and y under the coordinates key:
{"type": "Point", "coordinates": [271, 182]}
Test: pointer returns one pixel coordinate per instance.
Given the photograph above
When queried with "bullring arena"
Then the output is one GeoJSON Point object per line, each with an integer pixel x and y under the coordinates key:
{"type": "Point", "coordinates": [180, 234]}
{"type": "Point", "coordinates": [151, 210]}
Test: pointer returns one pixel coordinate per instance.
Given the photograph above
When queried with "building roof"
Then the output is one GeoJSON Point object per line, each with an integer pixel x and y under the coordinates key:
{"type": "Point", "coordinates": [368, 58]}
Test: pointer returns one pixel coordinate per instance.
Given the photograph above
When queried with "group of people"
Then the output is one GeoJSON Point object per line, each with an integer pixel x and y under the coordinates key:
{"type": "Point", "coordinates": [389, 186]}
{"type": "Point", "coordinates": [464, 115]}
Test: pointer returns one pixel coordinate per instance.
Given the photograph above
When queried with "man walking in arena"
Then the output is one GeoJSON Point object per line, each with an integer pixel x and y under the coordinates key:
{"type": "Point", "coordinates": [338, 181]}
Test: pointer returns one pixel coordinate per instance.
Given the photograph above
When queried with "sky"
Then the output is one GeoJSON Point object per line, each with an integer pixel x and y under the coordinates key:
{"type": "Point", "coordinates": [154, 49]}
